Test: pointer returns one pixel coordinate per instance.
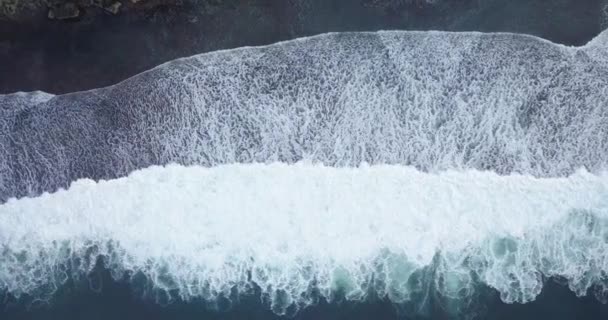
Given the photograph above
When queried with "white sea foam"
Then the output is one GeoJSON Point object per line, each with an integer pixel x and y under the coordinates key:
{"type": "Point", "coordinates": [18, 101]}
{"type": "Point", "coordinates": [201, 231]}
{"type": "Point", "coordinates": [432, 100]}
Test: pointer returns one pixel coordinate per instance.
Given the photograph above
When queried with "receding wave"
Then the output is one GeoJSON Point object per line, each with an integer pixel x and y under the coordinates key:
{"type": "Point", "coordinates": [431, 100]}
{"type": "Point", "coordinates": [198, 232]}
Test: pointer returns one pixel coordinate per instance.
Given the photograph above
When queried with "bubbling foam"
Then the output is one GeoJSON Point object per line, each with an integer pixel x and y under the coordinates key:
{"type": "Point", "coordinates": [202, 232]}
{"type": "Point", "coordinates": [432, 100]}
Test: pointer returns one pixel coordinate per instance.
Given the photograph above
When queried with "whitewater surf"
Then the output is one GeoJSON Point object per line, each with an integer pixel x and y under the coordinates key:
{"type": "Point", "coordinates": [407, 166]}
{"type": "Point", "coordinates": [201, 232]}
{"type": "Point", "coordinates": [433, 100]}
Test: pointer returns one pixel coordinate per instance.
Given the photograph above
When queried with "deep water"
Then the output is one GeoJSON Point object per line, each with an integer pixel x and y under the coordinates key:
{"type": "Point", "coordinates": [100, 297]}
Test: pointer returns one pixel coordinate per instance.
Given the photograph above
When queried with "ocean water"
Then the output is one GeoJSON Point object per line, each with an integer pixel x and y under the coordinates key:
{"type": "Point", "coordinates": [379, 175]}
{"type": "Point", "coordinates": [99, 49]}
{"type": "Point", "coordinates": [297, 233]}
{"type": "Point", "coordinates": [432, 100]}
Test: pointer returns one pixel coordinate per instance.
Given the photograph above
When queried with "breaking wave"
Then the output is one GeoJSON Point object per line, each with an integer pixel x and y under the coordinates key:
{"type": "Point", "coordinates": [197, 232]}
{"type": "Point", "coordinates": [432, 100]}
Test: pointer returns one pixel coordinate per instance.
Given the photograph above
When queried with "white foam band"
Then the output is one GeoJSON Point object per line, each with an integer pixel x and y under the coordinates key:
{"type": "Point", "coordinates": [433, 100]}
{"type": "Point", "coordinates": [202, 231]}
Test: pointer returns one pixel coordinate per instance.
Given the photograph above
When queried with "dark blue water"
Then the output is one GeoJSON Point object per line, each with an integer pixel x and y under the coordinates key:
{"type": "Point", "coordinates": [99, 297]}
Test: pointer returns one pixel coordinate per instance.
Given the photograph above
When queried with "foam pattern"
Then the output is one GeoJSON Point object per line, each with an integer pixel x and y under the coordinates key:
{"type": "Point", "coordinates": [432, 100]}
{"type": "Point", "coordinates": [199, 232]}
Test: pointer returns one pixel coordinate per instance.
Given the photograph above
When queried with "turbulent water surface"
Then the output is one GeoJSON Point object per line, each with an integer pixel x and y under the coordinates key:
{"type": "Point", "coordinates": [409, 166]}
{"type": "Point", "coordinates": [502, 102]}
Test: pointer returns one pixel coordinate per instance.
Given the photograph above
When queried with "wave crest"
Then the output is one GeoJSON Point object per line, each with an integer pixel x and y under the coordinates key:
{"type": "Point", "coordinates": [393, 230]}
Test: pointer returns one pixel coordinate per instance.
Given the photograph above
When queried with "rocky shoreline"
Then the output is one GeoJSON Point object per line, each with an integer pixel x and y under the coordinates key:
{"type": "Point", "coordinates": [30, 10]}
{"type": "Point", "coordinates": [63, 46]}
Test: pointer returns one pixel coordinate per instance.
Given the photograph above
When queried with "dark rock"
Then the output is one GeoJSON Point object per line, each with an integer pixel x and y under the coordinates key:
{"type": "Point", "coordinates": [66, 11]}
{"type": "Point", "coordinates": [22, 10]}
{"type": "Point", "coordinates": [102, 3]}
{"type": "Point", "coordinates": [114, 8]}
